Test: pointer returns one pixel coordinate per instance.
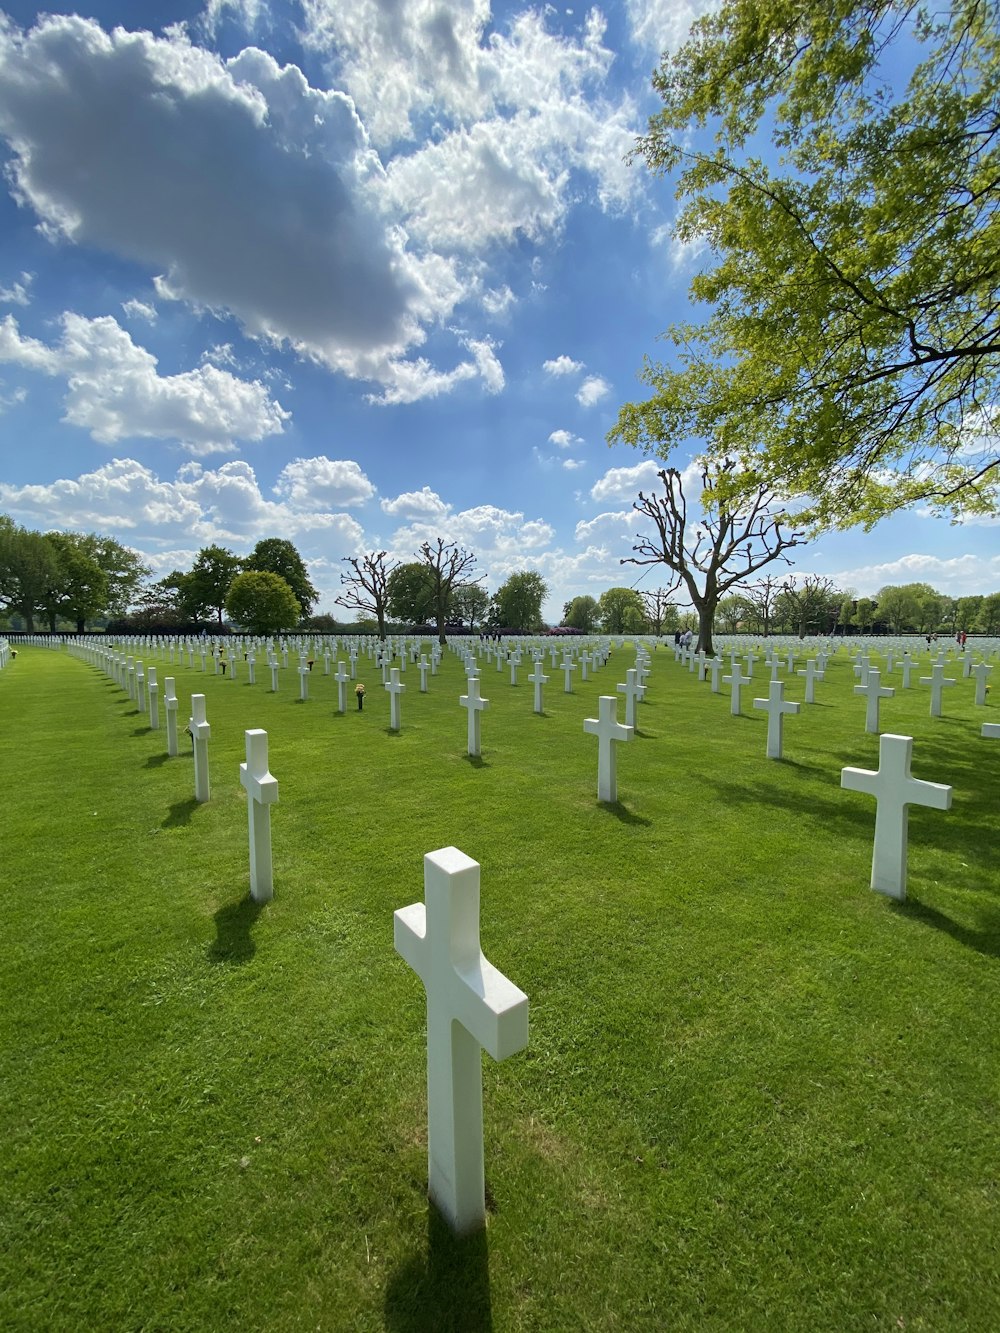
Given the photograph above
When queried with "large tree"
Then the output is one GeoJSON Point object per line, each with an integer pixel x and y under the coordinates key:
{"type": "Point", "coordinates": [205, 587]}
{"type": "Point", "coordinates": [274, 555]}
{"type": "Point", "coordinates": [809, 602]}
{"type": "Point", "coordinates": [79, 589]}
{"type": "Point", "coordinates": [851, 352]}
{"type": "Point", "coordinates": [711, 554]}
{"type": "Point", "coordinates": [661, 613]}
{"type": "Point", "coordinates": [410, 593]}
{"type": "Point", "coordinates": [517, 603]}
{"type": "Point", "coordinates": [471, 602]}
{"type": "Point", "coordinates": [262, 602]}
{"type": "Point", "coordinates": [449, 566]}
{"type": "Point", "coordinates": [621, 611]}
{"type": "Point", "coordinates": [29, 568]}
{"type": "Point", "coordinates": [366, 588]}
{"type": "Point", "coordinates": [581, 613]}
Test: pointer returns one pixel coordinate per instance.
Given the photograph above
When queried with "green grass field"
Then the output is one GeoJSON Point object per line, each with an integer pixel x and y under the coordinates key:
{"type": "Point", "coordinates": [756, 1095]}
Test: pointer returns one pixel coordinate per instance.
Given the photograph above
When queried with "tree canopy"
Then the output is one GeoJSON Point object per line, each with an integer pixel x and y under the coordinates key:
{"type": "Point", "coordinates": [410, 593]}
{"type": "Point", "coordinates": [517, 603]}
{"type": "Point", "coordinates": [262, 602]}
{"type": "Point", "coordinates": [581, 613]}
{"type": "Point", "coordinates": [852, 348]}
{"type": "Point", "coordinates": [621, 611]}
{"type": "Point", "coordinates": [274, 555]}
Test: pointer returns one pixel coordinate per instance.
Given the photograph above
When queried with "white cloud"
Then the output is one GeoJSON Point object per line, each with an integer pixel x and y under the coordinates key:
{"type": "Point", "coordinates": [592, 390]}
{"type": "Point", "coordinates": [571, 464]}
{"type": "Point", "coordinates": [564, 439]}
{"type": "Point", "coordinates": [139, 310]}
{"type": "Point", "coordinates": [625, 483]}
{"type": "Point", "coordinates": [424, 503]}
{"type": "Point", "coordinates": [498, 301]}
{"type": "Point", "coordinates": [958, 576]}
{"type": "Point", "coordinates": [292, 236]}
{"type": "Point", "coordinates": [220, 505]}
{"type": "Point", "coordinates": [608, 525]}
{"type": "Point", "coordinates": [682, 254]}
{"type": "Point", "coordinates": [663, 25]}
{"type": "Point", "coordinates": [115, 391]}
{"type": "Point", "coordinates": [410, 381]}
{"type": "Point", "coordinates": [562, 365]}
{"type": "Point", "coordinates": [490, 369]}
{"type": "Point", "coordinates": [19, 292]}
{"type": "Point", "coordinates": [323, 483]}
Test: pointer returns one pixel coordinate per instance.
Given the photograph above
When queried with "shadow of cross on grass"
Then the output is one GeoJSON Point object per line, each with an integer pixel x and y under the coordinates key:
{"type": "Point", "coordinates": [233, 941]}
{"type": "Point", "coordinates": [445, 1291]}
{"type": "Point", "coordinates": [181, 812]}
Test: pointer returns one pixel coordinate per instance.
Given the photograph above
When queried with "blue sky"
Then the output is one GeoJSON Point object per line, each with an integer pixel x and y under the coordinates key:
{"type": "Point", "coordinates": [357, 274]}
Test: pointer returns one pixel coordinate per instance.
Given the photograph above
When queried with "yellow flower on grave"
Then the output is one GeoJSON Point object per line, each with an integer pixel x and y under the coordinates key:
{"type": "Point", "coordinates": [359, 688]}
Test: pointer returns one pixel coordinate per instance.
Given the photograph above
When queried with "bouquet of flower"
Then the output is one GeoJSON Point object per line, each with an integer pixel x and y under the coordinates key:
{"type": "Point", "coordinates": [359, 690]}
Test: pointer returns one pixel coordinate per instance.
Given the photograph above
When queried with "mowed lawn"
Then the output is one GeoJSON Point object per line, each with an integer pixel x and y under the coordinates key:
{"type": "Point", "coordinates": [756, 1095]}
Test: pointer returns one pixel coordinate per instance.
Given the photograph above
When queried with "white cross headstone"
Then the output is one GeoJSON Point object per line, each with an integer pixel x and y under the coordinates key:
{"type": "Point", "coordinates": [634, 693]}
{"type": "Point", "coordinates": [735, 681]}
{"type": "Point", "coordinates": [303, 681]}
{"type": "Point", "coordinates": [776, 708]}
{"type": "Point", "coordinates": [538, 680]}
{"type": "Point", "coordinates": [200, 733]}
{"type": "Point", "coordinates": [422, 666]}
{"type": "Point", "coordinates": [395, 690]}
{"type": "Point", "coordinates": [567, 669]}
{"type": "Point", "coordinates": [812, 675]}
{"type": "Point", "coordinates": [471, 1006]}
{"type": "Point", "coordinates": [475, 705]}
{"type": "Point", "coordinates": [252, 668]}
{"type": "Point", "coordinates": [262, 792]}
{"type": "Point", "coordinates": [873, 691]}
{"type": "Point", "coordinates": [341, 676]}
{"type": "Point", "coordinates": [609, 732]}
{"type": "Point", "coordinates": [981, 671]}
{"type": "Point", "coordinates": [170, 700]}
{"type": "Point", "coordinates": [514, 662]}
{"type": "Point", "coordinates": [895, 790]}
{"type": "Point", "coordinates": [937, 681]}
{"type": "Point", "coordinates": [153, 692]}
{"type": "Point", "coordinates": [715, 665]}
{"type": "Point", "coordinates": [909, 666]}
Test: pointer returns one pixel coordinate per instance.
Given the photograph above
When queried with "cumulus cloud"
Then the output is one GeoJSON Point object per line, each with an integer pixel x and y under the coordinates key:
{"type": "Point", "coordinates": [497, 301]}
{"type": "Point", "coordinates": [19, 292]}
{"type": "Point", "coordinates": [115, 391]}
{"type": "Point", "coordinates": [564, 439]}
{"type": "Point", "coordinates": [663, 25]}
{"type": "Point", "coordinates": [489, 367]}
{"type": "Point", "coordinates": [291, 236]}
{"type": "Point", "coordinates": [424, 503]}
{"type": "Point", "coordinates": [625, 483]}
{"type": "Point", "coordinates": [323, 483]}
{"type": "Point", "coordinates": [613, 524]}
{"type": "Point", "coordinates": [224, 504]}
{"type": "Point", "coordinates": [562, 365]}
{"type": "Point", "coordinates": [571, 464]}
{"type": "Point", "coordinates": [592, 390]}
{"type": "Point", "coordinates": [139, 310]}
{"type": "Point", "coordinates": [956, 576]}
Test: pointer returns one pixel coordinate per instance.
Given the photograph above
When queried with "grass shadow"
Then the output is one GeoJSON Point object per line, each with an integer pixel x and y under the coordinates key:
{"type": "Point", "coordinates": [476, 761]}
{"type": "Point", "coordinates": [623, 813]}
{"type": "Point", "coordinates": [985, 941]}
{"type": "Point", "coordinates": [141, 731]}
{"type": "Point", "coordinates": [155, 760]}
{"type": "Point", "coordinates": [447, 1290]}
{"type": "Point", "coordinates": [180, 813]}
{"type": "Point", "coordinates": [234, 923]}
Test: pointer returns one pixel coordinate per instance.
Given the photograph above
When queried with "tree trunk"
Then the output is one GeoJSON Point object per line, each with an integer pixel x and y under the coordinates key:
{"type": "Point", "coordinates": [81, 625]}
{"type": "Point", "coordinates": [706, 619]}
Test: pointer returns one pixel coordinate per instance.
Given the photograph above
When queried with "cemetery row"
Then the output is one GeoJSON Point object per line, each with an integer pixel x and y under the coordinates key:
{"type": "Point", "coordinates": [470, 1005]}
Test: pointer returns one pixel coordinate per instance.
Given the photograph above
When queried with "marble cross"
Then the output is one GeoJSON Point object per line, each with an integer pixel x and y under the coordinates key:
{"type": "Point", "coordinates": [634, 693]}
{"type": "Point", "coordinates": [471, 1006]}
{"type": "Point", "coordinates": [776, 708]}
{"type": "Point", "coordinates": [735, 681]}
{"type": "Point", "coordinates": [812, 673]}
{"type": "Point", "coordinates": [170, 701]}
{"type": "Point", "coordinates": [937, 681]}
{"type": "Point", "coordinates": [262, 793]}
{"type": "Point", "coordinates": [153, 693]}
{"type": "Point", "coordinates": [609, 732]}
{"type": "Point", "coordinates": [395, 690]}
{"type": "Point", "coordinates": [895, 790]}
{"type": "Point", "coordinates": [567, 668]}
{"type": "Point", "coordinates": [981, 671]}
{"type": "Point", "coordinates": [200, 732]}
{"type": "Point", "coordinates": [475, 705]}
{"type": "Point", "coordinates": [873, 692]}
{"type": "Point", "coordinates": [538, 680]}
